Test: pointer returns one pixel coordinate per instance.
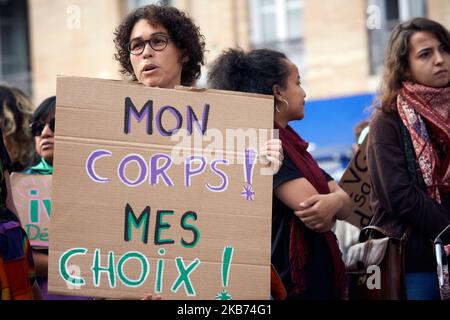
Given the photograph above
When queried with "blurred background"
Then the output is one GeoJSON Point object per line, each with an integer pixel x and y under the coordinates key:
{"type": "Point", "coordinates": [338, 46]}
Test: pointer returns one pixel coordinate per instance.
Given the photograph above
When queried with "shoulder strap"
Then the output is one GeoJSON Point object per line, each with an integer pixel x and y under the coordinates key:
{"type": "Point", "coordinates": [372, 232]}
{"type": "Point", "coordinates": [413, 168]}
{"type": "Point", "coordinates": [369, 231]}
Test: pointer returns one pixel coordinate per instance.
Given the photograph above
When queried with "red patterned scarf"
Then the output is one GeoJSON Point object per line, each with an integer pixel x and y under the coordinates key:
{"type": "Point", "coordinates": [295, 147]}
{"type": "Point", "coordinates": [425, 111]}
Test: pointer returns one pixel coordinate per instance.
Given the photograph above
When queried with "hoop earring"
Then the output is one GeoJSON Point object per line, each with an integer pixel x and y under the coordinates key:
{"type": "Point", "coordinates": [287, 103]}
{"type": "Point", "coordinates": [276, 108]}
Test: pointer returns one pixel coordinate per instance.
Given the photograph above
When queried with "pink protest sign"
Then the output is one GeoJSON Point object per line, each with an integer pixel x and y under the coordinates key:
{"type": "Point", "coordinates": [32, 198]}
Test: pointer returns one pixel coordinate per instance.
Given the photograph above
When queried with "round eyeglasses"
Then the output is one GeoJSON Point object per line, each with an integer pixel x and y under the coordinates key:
{"type": "Point", "coordinates": [38, 126]}
{"type": "Point", "coordinates": [157, 42]}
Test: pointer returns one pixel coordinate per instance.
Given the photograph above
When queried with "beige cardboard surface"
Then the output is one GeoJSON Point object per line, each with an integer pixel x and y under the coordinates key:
{"type": "Point", "coordinates": [206, 235]}
{"type": "Point", "coordinates": [32, 197]}
{"type": "Point", "coordinates": [356, 182]}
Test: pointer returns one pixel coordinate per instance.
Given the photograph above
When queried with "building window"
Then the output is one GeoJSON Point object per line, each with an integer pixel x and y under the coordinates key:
{"type": "Point", "coordinates": [14, 44]}
{"type": "Point", "coordinates": [383, 16]}
{"type": "Point", "coordinates": [278, 25]}
{"type": "Point", "coordinates": [134, 4]}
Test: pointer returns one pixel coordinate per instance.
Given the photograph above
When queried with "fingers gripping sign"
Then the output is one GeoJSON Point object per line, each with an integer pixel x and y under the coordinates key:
{"type": "Point", "coordinates": [271, 154]}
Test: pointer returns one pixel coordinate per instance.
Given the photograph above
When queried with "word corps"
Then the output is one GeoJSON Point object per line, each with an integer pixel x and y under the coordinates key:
{"type": "Point", "coordinates": [156, 168]}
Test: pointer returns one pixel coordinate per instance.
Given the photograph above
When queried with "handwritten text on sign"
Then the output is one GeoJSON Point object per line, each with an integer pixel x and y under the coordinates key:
{"type": "Point", "coordinates": [356, 182]}
{"type": "Point", "coordinates": [32, 198]}
{"type": "Point", "coordinates": [148, 220]}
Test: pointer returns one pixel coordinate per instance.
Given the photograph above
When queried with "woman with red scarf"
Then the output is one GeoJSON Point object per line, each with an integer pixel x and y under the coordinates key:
{"type": "Point", "coordinates": [408, 150]}
{"type": "Point", "coordinates": [307, 201]}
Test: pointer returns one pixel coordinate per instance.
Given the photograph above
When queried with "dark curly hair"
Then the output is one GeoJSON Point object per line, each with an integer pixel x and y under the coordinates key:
{"type": "Point", "coordinates": [256, 71]}
{"type": "Point", "coordinates": [182, 31]}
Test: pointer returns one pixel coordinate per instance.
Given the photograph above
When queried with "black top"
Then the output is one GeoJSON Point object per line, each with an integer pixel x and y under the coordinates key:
{"type": "Point", "coordinates": [319, 275]}
{"type": "Point", "coordinates": [397, 200]}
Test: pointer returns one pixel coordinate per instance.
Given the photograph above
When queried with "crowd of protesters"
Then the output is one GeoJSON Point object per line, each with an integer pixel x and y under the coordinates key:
{"type": "Point", "coordinates": [408, 151]}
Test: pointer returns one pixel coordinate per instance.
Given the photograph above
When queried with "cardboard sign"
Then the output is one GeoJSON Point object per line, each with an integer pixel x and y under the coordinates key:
{"type": "Point", "coordinates": [32, 198]}
{"type": "Point", "coordinates": [356, 182]}
{"type": "Point", "coordinates": [153, 193]}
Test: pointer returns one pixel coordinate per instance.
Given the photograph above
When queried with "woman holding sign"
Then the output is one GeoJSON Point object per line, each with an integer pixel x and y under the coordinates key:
{"type": "Point", "coordinates": [408, 151]}
{"type": "Point", "coordinates": [160, 46]}
{"type": "Point", "coordinates": [307, 201]}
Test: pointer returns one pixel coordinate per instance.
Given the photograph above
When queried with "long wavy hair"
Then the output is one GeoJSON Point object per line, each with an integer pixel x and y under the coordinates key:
{"type": "Point", "coordinates": [16, 111]}
{"type": "Point", "coordinates": [396, 63]}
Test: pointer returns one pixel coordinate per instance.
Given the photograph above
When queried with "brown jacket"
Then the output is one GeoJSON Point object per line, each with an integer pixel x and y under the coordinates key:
{"type": "Point", "coordinates": [396, 200]}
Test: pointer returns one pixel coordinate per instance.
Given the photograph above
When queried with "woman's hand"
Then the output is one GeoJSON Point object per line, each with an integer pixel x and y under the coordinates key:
{"type": "Point", "coordinates": [272, 153]}
{"type": "Point", "coordinates": [150, 297]}
{"type": "Point", "coordinates": [319, 211]}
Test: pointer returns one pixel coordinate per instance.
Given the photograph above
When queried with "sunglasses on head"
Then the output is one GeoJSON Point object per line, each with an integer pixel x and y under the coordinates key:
{"type": "Point", "coordinates": [38, 126]}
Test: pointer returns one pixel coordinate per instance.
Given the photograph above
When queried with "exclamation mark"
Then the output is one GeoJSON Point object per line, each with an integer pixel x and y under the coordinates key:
{"type": "Point", "coordinates": [249, 165]}
{"type": "Point", "coordinates": [226, 265]}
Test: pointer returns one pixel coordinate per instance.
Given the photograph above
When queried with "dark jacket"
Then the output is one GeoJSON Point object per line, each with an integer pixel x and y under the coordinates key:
{"type": "Point", "coordinates": [398, 199]}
